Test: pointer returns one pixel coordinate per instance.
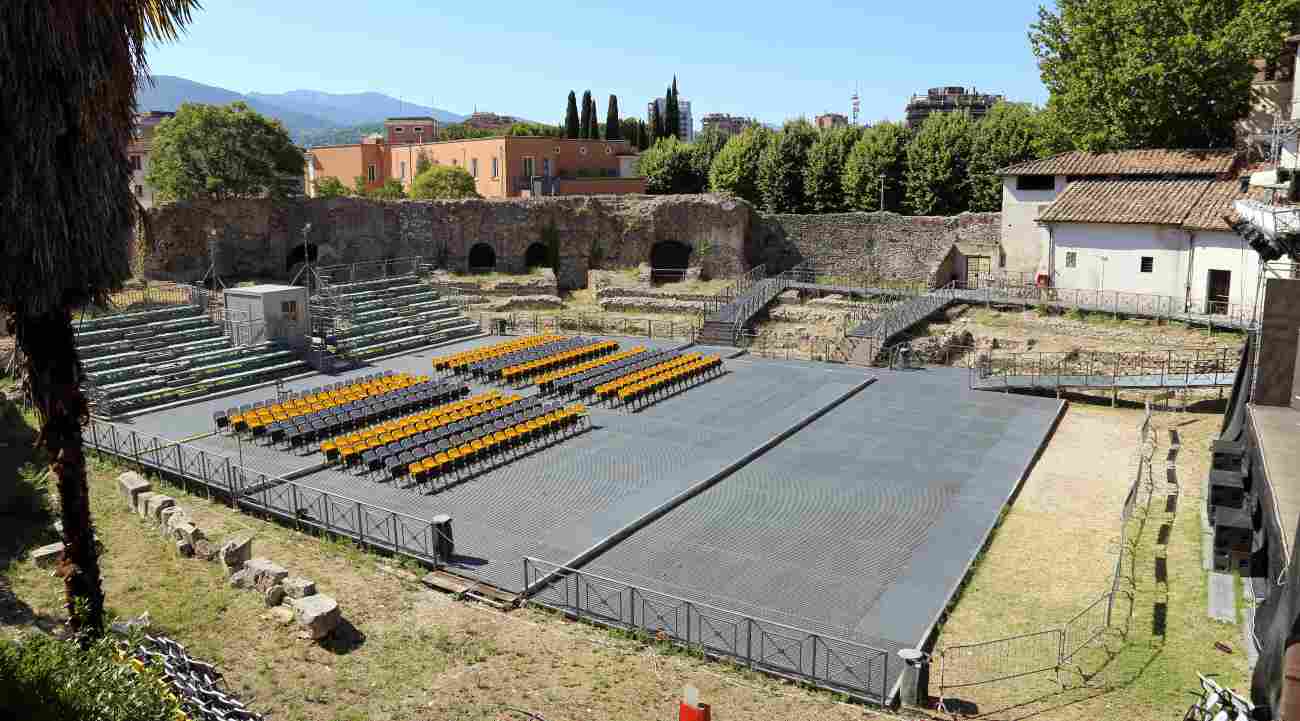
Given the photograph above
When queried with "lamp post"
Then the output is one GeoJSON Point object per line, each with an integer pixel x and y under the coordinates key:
{"type": "Point", "coordinates": [882, 192]}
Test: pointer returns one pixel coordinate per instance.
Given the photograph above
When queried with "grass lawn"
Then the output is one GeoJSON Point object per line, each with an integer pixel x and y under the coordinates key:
{"type": "Point", "coordinates": [1053, 555]}
{"type": "Point", "coordinates": [414, 653]}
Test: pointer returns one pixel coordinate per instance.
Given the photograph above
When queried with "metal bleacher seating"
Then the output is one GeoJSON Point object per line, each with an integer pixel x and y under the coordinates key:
{"type": "Point", "coordinates": [142, 359]}
{"type": "Point", "coordinates": [388, 315]}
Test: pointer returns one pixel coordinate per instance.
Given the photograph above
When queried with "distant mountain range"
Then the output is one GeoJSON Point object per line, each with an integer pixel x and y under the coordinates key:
{"type": "Point", "coordinates": [310, 116]}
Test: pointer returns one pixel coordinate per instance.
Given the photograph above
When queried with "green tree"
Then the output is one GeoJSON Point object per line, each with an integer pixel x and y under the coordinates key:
{"type": "Point", "coordinates": [571, 123]}
{"type": "Point", "coordinates": [613, 128]}
{"type": "Point", "coordinates": [359, 186]}
{"type": "Point", "coordinates": [669, 167]}
{"type": "Point", "coordinates": [781, 168]}
{"type": "Point", "coordinates": [584, 129]}
{"type": "Point", "coordinates": [1005, 136]}
{"type": "Point", "coordinates": [937, 165]}
{"type": "Point", "coordinates": [704, 149]}
{"type": "Point", "coordinates": [442, 182]}
{"type": "Point", "coordinates": [824, 177]}
{"type": "Point", "coordinates": [630, 130]}
{"type": "Point", "coordinates": [69, 76]}
{"type": "Point", "coordinates": [221, 152]}
{"type": "Point", "coordinates": [881, 150]}
{"type": "Point", "coordinates": [422, 163]}
{"type": "Point", "coordinates": [329, 187]}
{"type": "Point", "coordinates": [1155, 73]}
{"type": "Point", "coordinates": [735, 168]}
{"type": "Point", "coordinates": [656, 124]}
{"type": "Point", "coordinates": [672, 112]}
{"type": "Point", "coordinates": [391, 190]}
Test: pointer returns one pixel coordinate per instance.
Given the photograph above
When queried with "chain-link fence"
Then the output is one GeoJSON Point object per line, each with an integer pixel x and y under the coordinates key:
{"type": "Point", "coordinates": [825, 661]}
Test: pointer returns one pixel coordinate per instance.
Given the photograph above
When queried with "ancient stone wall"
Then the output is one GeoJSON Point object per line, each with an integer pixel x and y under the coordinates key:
{"type": "Point", "coordinates": [901, 247]}
{"type": "Point", "coordinates": [264, 238]}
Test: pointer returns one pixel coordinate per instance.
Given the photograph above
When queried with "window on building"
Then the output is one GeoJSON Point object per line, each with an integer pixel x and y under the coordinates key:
{"type": "Point", "coordinates": [582, 150]}
{"type": "Point", "coordinates": [529, 166]}
{"type": "Point", "coordinates": [419, 130]}
{"type": "Point", "coordinates": [1035, 182]}
{"type": "Point", "coordinates": [370, 173]}
{"type": "Point", "coordinates": [609, 150]}
{"type": "Point", "coordinates": [402, 171]}
{"type": "Point", "coordinates": [398, 129]}
{"type": "Point", "coordinates": [556, 150]}
{"type": "Point", "coordinates": [546, 167]}
{"type": "Point", "coordinates": [473, 167]}
{"type": "Point", "coordinates": [1071, 259]}
{"type": "Point", "coordinates": [135, 162]}
{"type": "Point", "coordinates": [495, 167]}
{"type": "Point", "coordinates": [1148, 264]}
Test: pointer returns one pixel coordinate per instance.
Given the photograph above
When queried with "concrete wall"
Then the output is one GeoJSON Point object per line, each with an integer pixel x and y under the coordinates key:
{"type": "Point", "coordinates": [1023, 241]}
{"type": "Point", "coordinates": [1109, 257]}
{"type": "Point", "coordinates": [884, 244]}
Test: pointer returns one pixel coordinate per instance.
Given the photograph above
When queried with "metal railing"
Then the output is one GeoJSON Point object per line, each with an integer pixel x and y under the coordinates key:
{"type": "Point", "coordinates": [904, 315]}
{"type": "Point", "coordinates": [1193, 311]}
{"type": "Point", "coordinates": [150, 296]}
{"type": "Point", "coordinates": [592, 324]}
{"type": "Point", "coordinates": [828, 662]}
{"type": "Point", "coordinates": [1058, 648]}
{"type": "Point", "coordinates": [737, 288]}
{"type": "Point", "coordinates": [370, 270]}
{"type": "Point", "coordinates": [1182, 368]}
{"type": "Point", "coordinates": [293, 501]}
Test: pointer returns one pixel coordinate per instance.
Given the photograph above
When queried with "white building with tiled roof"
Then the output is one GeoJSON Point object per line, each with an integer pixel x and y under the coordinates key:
{"type": "Point", "coordinates": [1147, 222]}
{"type": "Point", "coordinates": [1029, 188]}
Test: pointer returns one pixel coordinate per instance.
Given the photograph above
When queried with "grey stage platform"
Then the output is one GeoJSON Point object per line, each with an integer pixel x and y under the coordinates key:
{"type": "Point", "coordinates": [860, 525]}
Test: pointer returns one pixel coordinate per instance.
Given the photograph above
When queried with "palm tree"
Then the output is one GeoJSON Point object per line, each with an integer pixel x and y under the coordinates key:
{"type": "Point", "coordinates": [68, 76]}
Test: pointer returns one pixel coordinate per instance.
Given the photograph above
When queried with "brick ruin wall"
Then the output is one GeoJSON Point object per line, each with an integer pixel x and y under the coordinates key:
{"type": "Point", "coordinates": [263, 238]}
{"type": "Point", "coordinates": [898, 247]}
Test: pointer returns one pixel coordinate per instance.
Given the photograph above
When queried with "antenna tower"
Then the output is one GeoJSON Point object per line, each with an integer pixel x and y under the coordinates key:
{"type": "Point", "coordinates": [857, 104]}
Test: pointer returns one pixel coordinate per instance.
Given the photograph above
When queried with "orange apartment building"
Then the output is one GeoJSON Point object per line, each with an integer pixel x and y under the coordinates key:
{"type": "Point", "coordinates": [502, 167]}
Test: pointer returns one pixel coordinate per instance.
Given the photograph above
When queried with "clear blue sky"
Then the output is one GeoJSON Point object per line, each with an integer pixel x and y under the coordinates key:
{"type": "Point", "coordinates": [768, 60]}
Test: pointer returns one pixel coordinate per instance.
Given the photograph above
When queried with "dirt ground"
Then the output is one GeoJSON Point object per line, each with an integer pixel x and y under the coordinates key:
{"type": "Point", "coordinates": [1054, 553]}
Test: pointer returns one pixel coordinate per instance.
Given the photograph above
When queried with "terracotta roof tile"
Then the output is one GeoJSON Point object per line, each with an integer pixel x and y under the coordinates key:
{"type": "Point", "coordinates": [1140, 200]}
{"type": "Point", "coordinates": [1129, 162]}
{"type": "Point", "coordinates": [1216, 202]}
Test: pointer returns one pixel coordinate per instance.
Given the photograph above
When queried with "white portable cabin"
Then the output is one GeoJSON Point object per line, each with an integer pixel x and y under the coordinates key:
{"type": "Point", "coordinates": [261, 313]}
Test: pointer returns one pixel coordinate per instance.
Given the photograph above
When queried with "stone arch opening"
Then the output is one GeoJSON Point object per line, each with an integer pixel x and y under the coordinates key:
{"type": "Point", "coordinates": [537, 256]}
{"type": "Point", "coordinates": [300, 255]}
{"type": "Point", "coordinates": [482, 259]}
{"type": "Point", "coordinates": [669, 260]}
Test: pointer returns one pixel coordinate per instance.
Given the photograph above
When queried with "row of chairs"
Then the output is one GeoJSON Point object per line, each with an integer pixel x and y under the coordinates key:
{"type": "Point", "coordinates": [491, 369]}
{"type": "Point", "coordinates": [609, 390]}
{"type": "Point", "coordinates": [547, 381]}
{"type": "Point", "coordinates": [450, 460]}
{"type": "Point", "coordinates": [300, 403]}
{"type": "Point", "coordinates": [584, 384]}
{"type": "Point", "coordinates": [523, 371]}
{"type": "Point", "coordinates": [649, 389]}
{"type": "Point", "coordinates": [306, 430]}
{"type": "Point", "coordinates": [345, 446]}
{"type": "Point", "coordinates": [458, 362]}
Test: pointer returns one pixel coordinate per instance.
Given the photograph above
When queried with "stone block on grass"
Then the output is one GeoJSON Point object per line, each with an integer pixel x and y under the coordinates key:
{"type": "Point", "coordinates": [187, 531]}
{"type": "Point", "coordinates": [47, 556]}
{"type": "Point", "coordinates": [299, 587]}
{"type": "Point", "coordinates": [274, 595]}
{"type": "Point", "coordinates": [318, 614]}
{"type": "Point", "coordinates": [236, 551]}
{"type": "Point", "coordinates": [242, 578]}
{"type": "Point", "coordinates": [265, 573]}
{"type": "Point", "coordinates": [157, 502]}
{"type": "Point", "coordinates": [165, 518]}
{"type": "Point", "coordinates": [205, 550]}
{"type": "Point", "coordinates": [142, 503]}
{"type": "Point", "coordinates": [185, 548]}
{"type": "Point", "coordinates": [131, 485]}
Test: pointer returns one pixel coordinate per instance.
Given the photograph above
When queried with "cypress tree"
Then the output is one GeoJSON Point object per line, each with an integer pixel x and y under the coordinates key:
{"type": "Point", "coordinates": [571, 117]}
{"type": "Point", "coordinates": [672, 116]}
{"type": "Point", "coordinates": [585, 131]}
{"type": "Point", "coordinates": [613, 131]}
{"type": "Point", "coordinates": [642, 135]}
{"type": "Point", "coordinates": [656, 124]}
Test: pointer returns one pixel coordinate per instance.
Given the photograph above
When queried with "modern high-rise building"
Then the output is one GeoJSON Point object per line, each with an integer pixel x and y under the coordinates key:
{"type": "Point", "coordinates": [728, 124]}
{"type": "Point", "coordinates": [687, 130]}
{"type": "Point", "coordinates": [949, 99]}
{"type": "Point", "coordinates": [138, 152]}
